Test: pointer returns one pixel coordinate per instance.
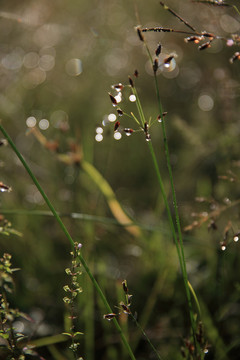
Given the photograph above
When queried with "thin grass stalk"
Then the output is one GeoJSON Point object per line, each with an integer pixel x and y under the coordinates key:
{"type": "Point", "coordinates": [170, 219]}
{"type": "Point", "coordinates": [177, 218]}
{"type": "Point", "coordinates": [147, 338]}
{"type": "Point", "coordinates": [67, 234]}
{"type": "Point", "coordinates": [179, 240]}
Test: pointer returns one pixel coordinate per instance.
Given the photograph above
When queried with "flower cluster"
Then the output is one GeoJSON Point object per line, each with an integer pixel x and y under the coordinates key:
{"type": "Point", "coordinates": [124, 307]}
{"type": "Point", "coordinates": [73, 290]}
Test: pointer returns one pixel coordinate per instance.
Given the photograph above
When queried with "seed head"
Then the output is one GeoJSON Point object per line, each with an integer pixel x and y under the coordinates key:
{"type": "Point", "coordinates": [205, 46]}
{"type": "Point", "coordinates": [113, 100]}
{"type": "Point", "coordinates": [236, 56]}
{"type": "Point", "coordinates": [158, 49]}
{"type": "Point", "coordinates": [131, 82]}
{"type": "Point", "coordinates": [136, 73]}
{"type": "Point", "coordinates": [155, 65]}
{"type": "Point", "coordinates": [139, 32]}
{"type": "Point", "coordinates": [116, 125]}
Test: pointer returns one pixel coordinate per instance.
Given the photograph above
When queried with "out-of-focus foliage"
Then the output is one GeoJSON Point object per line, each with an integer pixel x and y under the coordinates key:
{"type": "Point", "coordinates": [58, 60]}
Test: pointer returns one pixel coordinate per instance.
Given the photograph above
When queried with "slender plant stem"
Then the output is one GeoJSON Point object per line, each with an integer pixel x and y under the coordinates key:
{"type": "Point", "coordinates": [147, 338]}
{"type": "Point", "coordinates": [67, 234]}
{"type": "Point", "coordinates": [177, 239]}
{"type": "Point", "coordinates": [177, 218]}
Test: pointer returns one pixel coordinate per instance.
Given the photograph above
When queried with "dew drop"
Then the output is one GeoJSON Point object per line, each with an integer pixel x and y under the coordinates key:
{"type": "Point", "coordinates": [5, 188]}
{"type": "Point", "coordinates": [99, 137]}
{"type": "Point", "coordinates": [132, 98]}
{"type": "Point", "coordinates": [117, 135]}
{"type": "Point", "coordinates": [99, 130]}
{"type": "Point", "coordinates": [43, 124]}
{"type": "Point", "coordinates": [31, 121]}
{"type": "Point", "coordinates": [236, 238]}
{"type": "Point", "coordinates": [223, 247]}
{"type": "Point", "coordinates": [148, 137]}
{"type": "Point", "coordinates": [227, 201]}
{"type": "Point", "coordinates": [105, 121]}
{"type": "Point", "coordinates": [118, 97]}
{"type": "Point", "coordinates": [2, 189]}
{"type": "Point", "coordinates": [112, 117]}
{"type": "Point", "coordinates": [74, 67]}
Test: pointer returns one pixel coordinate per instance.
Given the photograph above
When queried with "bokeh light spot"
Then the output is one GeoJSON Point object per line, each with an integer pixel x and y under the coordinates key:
{"type": "Point", "coordinates": [34, 78]}
{"type": "Point", "coordinates": [46, 62]}
{"type": "Point", "coordinates": [31, 60]}
{"type": "Point", "coordinates": [205, 102]}
{"type": "Point", "coordinates": [229, 24]}
{"type": "Point", "coordinates": [74, 67]}
{"type": "Point", "coordinates": [12, 61]}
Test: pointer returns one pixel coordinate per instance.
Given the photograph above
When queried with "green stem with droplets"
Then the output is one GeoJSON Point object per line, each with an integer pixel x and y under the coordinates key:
{"type": "Point", "coordinates": [68, 236]}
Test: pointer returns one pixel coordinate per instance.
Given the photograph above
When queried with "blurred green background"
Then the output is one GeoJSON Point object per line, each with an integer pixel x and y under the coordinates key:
{"type": "Point", "coordinates": [58, 62]}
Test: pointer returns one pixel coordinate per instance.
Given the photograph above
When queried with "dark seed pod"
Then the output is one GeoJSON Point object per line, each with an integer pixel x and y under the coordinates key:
{"type": "Point", "coordinates": [148, 137]}
{"type": "Point", "coordinates": [146, 127]}
{"type": "Point", "coordinates": [131, 82]}
{"type": "Point", "coordinates": [236, 56]}
{"type": "Point", "coordinates": [136, 74]}
{"type": "Point", "coordinates": [212, 225]}
{"type": "Point", "coordinates": [128, 131]}
{"type": "Point", "coordinates": [139, 32]}
{"type": "Point", "coordinates": [118, 87]}
{"type": "Point", "coordinates": [109, 316]}
{"type": "Point", "coordinates": [116, 125]}
{"type": "Point", "coordinates": [205, 46]}
{"type": "Point", "coordinates": [155, 65]}
{"type": "Point", "coordinates": [195, 39]}
{"type": "Point", "coordinates": [125, 288]}
{"type": "Point", "coordinates": [158, 49]}
{"type": "Point", "coordinates": [125, 308]}
{"type": "Point", "coordinates": [113, 100]}
{"type": "Point", "coordinates": [159, 118]}
{"type": "Point", "coordinates": [207, 34]}
{"type": "Point", "coordinates": [168, 59]}
{"type": "Point", "coordinates": [120, 112]}
{"type": "Point", "coordinates": [3, 142]}
{"type": "Point", "coordinates": [4, 187]}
